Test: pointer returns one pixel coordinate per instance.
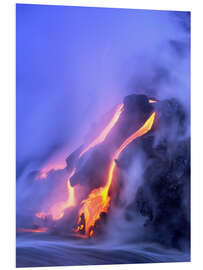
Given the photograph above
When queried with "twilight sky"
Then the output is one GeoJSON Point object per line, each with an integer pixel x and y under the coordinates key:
{"type": "Point", "coordinates": [73, 64]}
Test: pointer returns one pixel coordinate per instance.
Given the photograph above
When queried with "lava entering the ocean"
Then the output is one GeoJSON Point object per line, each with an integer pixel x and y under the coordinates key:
{"type": "Point", "coordinates": [98, 201]}
{"type": "Point", "coordinates": [57, 210]}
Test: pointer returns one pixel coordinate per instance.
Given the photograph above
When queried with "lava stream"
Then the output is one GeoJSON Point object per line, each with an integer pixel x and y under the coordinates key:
{"type": "Point", "coordinates": [98, 200]}
{"type": "Point", "coordinates": [57, 210]}
{"type": "Point", "coordinates": [105, 131]}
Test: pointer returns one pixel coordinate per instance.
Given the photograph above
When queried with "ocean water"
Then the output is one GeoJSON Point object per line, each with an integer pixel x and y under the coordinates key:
{"type": "Point", "coordinates": [42, 249]}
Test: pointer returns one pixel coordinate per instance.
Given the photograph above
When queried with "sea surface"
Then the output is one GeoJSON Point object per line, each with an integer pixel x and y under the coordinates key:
{"type": "Point", "coordinates": [43, 249]}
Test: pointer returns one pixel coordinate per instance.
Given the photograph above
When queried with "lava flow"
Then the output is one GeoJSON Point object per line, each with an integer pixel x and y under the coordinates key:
{"type": "Point", "coordinates": [57, 210]}
{"type": "Point", "coordinates": [106, 130]}
{"type": "Point", "coordinates": [98, 201]}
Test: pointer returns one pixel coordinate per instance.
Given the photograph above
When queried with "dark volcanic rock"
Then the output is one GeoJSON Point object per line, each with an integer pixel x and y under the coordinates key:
{"type": "Point", "coordinates": [133, 103]}
{"type": "Point", "coordinates": [164, 195]}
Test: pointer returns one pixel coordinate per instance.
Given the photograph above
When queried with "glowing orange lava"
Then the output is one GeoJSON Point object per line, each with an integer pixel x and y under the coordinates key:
{"type": "Point", "coordinates": [105, 131]}
{"type": "Point", "coordinates": [38, 230]}
{"type": "Point", "coordinates": [57, 210]}
{"type": "Point", "coordinates": [98, 200]}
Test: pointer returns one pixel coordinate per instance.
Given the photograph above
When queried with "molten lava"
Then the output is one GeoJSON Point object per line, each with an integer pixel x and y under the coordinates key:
{"type": "Point", "coordinates": [105, 131]}
{"type": "Point", "coordinates": [98, 201]}
{"type": "Point", "coordinates": [57, 210]}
